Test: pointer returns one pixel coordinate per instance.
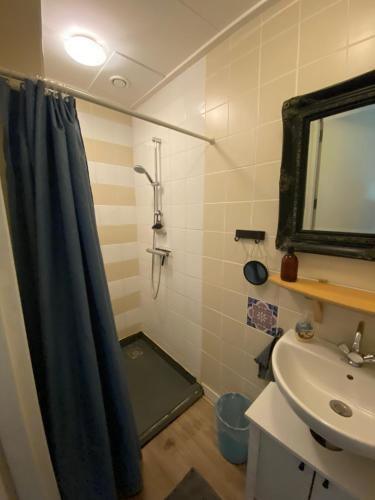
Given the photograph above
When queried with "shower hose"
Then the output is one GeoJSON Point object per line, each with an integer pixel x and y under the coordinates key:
{"type": "Point", "coordinates": [155, 288]}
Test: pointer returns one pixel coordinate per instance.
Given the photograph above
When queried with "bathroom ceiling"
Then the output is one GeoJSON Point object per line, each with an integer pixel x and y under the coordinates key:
{"type": "Point", "coordinates": [145, 39]}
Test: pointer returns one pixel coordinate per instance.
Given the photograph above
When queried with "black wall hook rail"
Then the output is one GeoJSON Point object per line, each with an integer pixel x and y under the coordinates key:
{"type": "Point", "coordinates": [249, 235]}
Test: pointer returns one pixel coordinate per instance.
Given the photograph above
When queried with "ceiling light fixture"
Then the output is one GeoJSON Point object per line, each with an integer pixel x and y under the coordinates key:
{"type": "Point", "coordinates": [85, 50]}
{"type": "Point", "coordinates": [119, 82]}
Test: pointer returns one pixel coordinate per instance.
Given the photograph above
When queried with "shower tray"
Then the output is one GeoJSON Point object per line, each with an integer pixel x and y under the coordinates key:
{"type": "Point", "coordinates": [160, 388]}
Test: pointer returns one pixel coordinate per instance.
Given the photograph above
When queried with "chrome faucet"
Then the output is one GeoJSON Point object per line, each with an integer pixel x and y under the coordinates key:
{"type": "Point", "coordinates": [354, 356]}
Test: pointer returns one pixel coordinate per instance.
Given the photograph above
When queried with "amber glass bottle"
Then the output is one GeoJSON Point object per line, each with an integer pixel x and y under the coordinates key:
{"type": "Point", "coordinates": [289, 266]}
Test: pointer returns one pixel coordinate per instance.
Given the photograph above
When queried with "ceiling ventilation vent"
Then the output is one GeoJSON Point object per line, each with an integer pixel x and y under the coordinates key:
{"type": "Point", "coordinates": [119, 82]}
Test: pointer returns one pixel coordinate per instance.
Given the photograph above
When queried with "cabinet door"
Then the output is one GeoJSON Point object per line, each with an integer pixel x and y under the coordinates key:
{"type": "Point", "coordinates": [281, 475]}
{"type": "Point", "coordinates": [325, 490]}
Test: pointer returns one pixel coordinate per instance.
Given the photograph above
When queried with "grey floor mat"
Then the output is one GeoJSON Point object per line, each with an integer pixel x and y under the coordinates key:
{"type": "Point", "coordinates": [193, 487]}
{"type": "Point", "coordinates": [160, 389]}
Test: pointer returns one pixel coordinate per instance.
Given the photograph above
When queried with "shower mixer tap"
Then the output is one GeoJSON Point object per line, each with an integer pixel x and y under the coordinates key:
{"type": "Point", "coordinates": [353, 355]}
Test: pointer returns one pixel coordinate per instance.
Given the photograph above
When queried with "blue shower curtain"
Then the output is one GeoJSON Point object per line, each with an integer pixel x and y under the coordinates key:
{"type": "Point", "coordinates": [75, 354]}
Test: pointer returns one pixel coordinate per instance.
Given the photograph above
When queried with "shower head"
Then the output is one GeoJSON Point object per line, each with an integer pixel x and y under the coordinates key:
{"type": "Point", "coordinates": [141, 170]}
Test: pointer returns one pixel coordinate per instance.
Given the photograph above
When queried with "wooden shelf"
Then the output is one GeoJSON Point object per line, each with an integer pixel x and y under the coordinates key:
{"type": "Point", "coordinates": [320, 292]}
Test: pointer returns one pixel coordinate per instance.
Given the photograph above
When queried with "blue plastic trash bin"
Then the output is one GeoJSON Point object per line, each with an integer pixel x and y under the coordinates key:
{"type": "Point", "coordinates": [233, 426]}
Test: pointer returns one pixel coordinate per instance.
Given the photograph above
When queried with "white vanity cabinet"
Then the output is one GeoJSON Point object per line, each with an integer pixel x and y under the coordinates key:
{"type": "Point", "coordinates": [283, 476]}
{"type": "Point", "coordinates": [286, 463]}
{"type": "Point", "coordinates": [323, 489]}
{"type": "Point", "coordinates": [280, 474]}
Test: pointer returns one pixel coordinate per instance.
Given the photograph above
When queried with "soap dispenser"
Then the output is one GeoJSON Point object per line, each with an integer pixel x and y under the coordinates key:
{"type": "Point", "coordinates": [289, 266]}
{"type": "Point", "coordinates": [305, 328]}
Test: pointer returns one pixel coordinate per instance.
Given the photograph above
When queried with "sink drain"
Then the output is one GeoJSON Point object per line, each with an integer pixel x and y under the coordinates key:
{"type": "Point", "coordinates": [340, 408]}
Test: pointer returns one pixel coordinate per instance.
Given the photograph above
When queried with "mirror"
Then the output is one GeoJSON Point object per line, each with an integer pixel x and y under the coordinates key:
{"type": "Point", "coordinates": [327, 182]}
{"type": "Point", "coordinates": [340, 180]}
{"type": "Point", "coordinates": [255, 272]}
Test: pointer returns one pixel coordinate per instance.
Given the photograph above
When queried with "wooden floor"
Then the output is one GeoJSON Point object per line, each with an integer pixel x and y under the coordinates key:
{"type": "Point", "coordinates": [190, 441]}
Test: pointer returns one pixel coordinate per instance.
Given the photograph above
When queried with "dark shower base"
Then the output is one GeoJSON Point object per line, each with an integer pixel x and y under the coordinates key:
{"type": "Point", "coordinates": [160, 388]}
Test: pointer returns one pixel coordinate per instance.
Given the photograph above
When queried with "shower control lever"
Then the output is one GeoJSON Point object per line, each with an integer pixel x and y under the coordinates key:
{"type": "Point", "coordinates": [162, 252]}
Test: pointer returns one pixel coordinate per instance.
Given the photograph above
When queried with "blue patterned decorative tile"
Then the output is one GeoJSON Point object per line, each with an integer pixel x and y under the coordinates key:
{"type": "Point", "coordinates": [262, 316]}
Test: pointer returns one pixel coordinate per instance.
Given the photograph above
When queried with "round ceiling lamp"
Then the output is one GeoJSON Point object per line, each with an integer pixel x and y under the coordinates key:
{"type": "Point", "coordinates": [85, 50]}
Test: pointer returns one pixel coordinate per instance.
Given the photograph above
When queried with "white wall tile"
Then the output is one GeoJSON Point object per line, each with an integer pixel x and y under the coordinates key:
{"type": "Point", "coordinates": [194, 216]}
{"type": "Point", "coordinates": [119, 252]}
{"type": "Point", "coordinates": [177, 216]}
{"type": "Point", "coordinates": [96, 127]}
{"type": "Point", "coordinates": [112, 174]}
{"type": "Point", "coordinates": [194, 241]}
{"type": "Point", "coordinates": [128, 318]}
{"type": "Point", "coordinates": [193, 265]}
{"type": "Point", "coordinates": [116, 215]}
{"type": "Point", "coordinates": [193, 288]}
{"type": "Point", "coordinates": [120, 288]}
{"type": "Point", "coordinates": [193, 308]}
{"type": "Point", "coordinates": [194, 190]}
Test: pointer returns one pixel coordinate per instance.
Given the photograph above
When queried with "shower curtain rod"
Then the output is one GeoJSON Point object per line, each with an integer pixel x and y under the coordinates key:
{"type": "Point", "coordinates": [65, 89]}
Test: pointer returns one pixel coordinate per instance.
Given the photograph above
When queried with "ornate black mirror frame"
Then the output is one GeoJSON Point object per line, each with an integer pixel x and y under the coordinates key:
{"type": "Point", "coordinates": [297, 113]}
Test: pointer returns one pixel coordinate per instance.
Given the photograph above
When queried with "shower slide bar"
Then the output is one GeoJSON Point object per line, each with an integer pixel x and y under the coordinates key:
{"type": "Point", "coordinates": [65, 89]}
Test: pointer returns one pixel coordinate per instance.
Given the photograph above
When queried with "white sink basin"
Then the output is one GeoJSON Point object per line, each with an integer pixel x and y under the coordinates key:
{"type": "Point", "coordinates": [310, 375]}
